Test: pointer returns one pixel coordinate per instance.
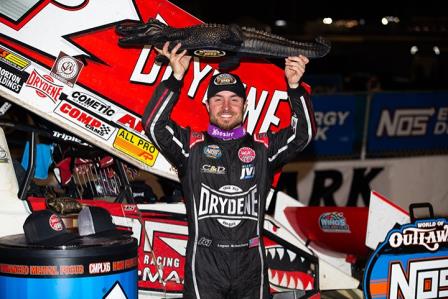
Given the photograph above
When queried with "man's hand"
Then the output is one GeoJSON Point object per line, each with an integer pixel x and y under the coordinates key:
{"type": "Point", "coordinates": [178, 62]}
{"type": "Point", "coordinates": [294, 69]}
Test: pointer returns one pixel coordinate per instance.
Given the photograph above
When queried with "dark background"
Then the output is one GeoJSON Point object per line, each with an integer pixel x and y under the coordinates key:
{"type": "Point", "coordinates": [366, 55]}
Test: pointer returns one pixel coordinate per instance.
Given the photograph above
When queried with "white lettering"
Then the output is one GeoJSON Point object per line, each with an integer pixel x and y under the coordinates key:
{"type": "Point", "coordinates": [412, 284]}
{"type": "Point", "coordinates": [405, 122]}
{"type": "Point", "coordinates": [198, 76]}
{"type": "Point", "coordinates": [270, 117]}
{"type": "Point", "coordinates": [254, 110]}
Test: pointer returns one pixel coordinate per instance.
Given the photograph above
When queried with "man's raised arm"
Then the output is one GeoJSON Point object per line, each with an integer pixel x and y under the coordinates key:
{"type": "Point", "coordinates": [285, 144]}
{"type": "Point", "coordinates": [171, 139]}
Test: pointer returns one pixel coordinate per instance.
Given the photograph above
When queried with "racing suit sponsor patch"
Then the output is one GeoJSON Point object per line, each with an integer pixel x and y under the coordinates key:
{"type": "Point", "coordinates": [237, 205]}
{"type": "Point", "coordinates": [247, 171]}
{"type": "Point", "coordinates": [205, 242]}
{"type": "Point", "coordinates": [212, 169]}
{"type": "Point", "coordinates": [246, 154]}
{"type": "Point", "coordinates": [212, 151]}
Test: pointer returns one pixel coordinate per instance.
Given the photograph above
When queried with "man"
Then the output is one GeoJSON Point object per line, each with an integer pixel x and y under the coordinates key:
{"type": "Point", "coordinates": [226, 175]}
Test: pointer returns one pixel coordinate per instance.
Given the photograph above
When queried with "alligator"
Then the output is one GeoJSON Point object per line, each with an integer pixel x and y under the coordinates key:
{"type": "Point", "coordinates": [218, 40]}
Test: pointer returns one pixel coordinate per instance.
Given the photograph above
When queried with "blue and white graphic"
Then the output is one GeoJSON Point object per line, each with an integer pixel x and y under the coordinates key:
{"type": "Point", "coordinates": [407, 123]}
{"type": "Point", "coordinates": [411, 263]}
{"type": "Point", "coordinates": [113, 286]}
{"type": "Point", "coordinates": [339, 120]}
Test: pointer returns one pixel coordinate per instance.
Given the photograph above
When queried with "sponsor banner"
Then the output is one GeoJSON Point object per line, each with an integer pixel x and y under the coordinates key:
{"type": "Point", "coordinates": [408, 123]}
{"type": "Point", "coordinates": [136, 147]}
{"type": "Point", "coordinates": [348, 183]}
{"type": "Point", "coordinates": [84, 120]}
{"type": "Point", "coordinates": [12, 78]}
{"type": "Point", "coordinates": [339, 119]}
{"type": "Point", "coordinates": [411, 263]}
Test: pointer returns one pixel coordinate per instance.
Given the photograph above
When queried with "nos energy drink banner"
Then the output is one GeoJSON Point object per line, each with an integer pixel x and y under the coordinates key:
{"type": "Point", "coordinates": [408, 123]}
{"type": "Point", "coordinates": [340, 119]}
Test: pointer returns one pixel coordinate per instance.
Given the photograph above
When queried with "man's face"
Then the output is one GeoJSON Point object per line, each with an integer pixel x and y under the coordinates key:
{"type": "Point", "coordinates": [226, 109]}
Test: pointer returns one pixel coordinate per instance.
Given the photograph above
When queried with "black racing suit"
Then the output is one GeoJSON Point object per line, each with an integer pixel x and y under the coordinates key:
{"type": "Point", "coordinates": [225, 185]}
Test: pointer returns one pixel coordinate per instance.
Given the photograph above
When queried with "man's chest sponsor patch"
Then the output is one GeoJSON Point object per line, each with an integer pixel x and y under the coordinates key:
{"type": "Point", "coordinates": [236, 204]}
{"type": "Point", "coordinates": [247, 171]}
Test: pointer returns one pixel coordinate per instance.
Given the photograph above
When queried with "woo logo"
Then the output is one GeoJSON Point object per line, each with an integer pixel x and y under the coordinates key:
{"type": "Point", "coordinates": [411, 263]}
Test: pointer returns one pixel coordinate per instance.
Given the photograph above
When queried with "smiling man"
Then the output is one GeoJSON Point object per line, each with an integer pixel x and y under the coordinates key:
{"type": "Point", "coordinates": [226, 175]}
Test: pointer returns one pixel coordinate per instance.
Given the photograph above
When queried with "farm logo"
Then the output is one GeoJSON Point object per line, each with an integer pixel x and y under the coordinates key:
{"type": "Point", "coordinates": [66, 69]}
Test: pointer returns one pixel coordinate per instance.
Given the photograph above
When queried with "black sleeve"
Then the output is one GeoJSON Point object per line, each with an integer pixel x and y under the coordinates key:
{"type": "Point", "coordinates": [286, 143]}
{"type": "Point", "coordinates": [171, 139]}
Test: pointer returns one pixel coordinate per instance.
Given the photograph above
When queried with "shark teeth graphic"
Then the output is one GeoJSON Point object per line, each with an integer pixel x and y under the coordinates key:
{"type": "Point", "coordinates": [292, 283]}
{"type": "Point", "coordinates": [292, 255]}
{"type": "Point", "coordinates": [275, 278]}
{"type": "Point", "coordinates": [299, 285]}
{"type": "Point", "coordinates": [284, 282]}
{"type": "Point", "coordinates": [289, 270]}
{"type": "Point", "coordinates": [280, 252]}
{"type": "Point", "coordinates": [272, 252]}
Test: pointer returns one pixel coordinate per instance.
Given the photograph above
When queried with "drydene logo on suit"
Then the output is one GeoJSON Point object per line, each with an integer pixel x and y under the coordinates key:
{"type": "Point", "coordinates": [233, 205]}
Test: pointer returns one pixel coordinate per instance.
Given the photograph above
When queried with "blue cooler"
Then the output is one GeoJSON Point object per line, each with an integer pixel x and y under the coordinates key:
{"type": "Point", "coordinates": [87, 268]}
